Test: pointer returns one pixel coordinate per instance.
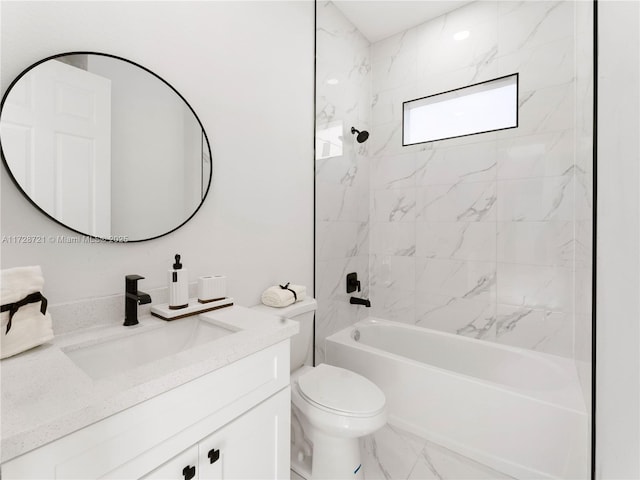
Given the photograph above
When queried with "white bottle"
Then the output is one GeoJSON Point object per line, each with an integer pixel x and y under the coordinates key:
{"type": "Point", "coordinates": [178, 286]}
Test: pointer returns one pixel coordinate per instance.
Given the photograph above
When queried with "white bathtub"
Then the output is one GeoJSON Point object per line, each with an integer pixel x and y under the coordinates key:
{"type": "Point", "coordinates": [518, 411]}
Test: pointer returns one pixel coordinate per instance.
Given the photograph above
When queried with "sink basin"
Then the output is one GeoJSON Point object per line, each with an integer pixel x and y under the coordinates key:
{"type": "Point", "coordinates": [118, 355]}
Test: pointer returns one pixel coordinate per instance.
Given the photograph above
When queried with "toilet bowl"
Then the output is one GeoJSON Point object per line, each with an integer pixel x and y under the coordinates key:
{"type": "Point", "coordinates": [336, 407]}
{"type": "Point", "coordinates": [331, 407]}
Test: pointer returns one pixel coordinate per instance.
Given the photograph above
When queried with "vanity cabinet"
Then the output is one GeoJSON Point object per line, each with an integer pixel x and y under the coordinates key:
{"type": "Point", "coordinates": [246, 448]}
{"type": "Point", "coordinates": [233, 422]}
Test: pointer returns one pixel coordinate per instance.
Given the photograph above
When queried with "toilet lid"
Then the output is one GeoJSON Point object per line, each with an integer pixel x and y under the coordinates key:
{"type": "Point", "coordinates": [341, 390]}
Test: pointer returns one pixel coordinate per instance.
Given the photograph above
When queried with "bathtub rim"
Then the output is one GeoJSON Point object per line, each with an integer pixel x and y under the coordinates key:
{"type": "Point", "coordinates": [344, 336]}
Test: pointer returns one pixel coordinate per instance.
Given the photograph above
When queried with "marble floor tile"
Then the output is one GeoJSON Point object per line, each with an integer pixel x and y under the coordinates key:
{"type": "Point", "coordinates": [390, 453]}
{"type": "Point", "coordinates": [437, 462]}
{"type": "Point", "coordinates": [394, 454]}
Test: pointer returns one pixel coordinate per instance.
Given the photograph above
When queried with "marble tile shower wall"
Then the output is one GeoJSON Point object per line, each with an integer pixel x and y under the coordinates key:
{"type": "Point", "coordinates": [343, 93]}
{"type": "Point", "coordinates": [475, 235]}
{"type": "Point", "coordinates": [584, 195]}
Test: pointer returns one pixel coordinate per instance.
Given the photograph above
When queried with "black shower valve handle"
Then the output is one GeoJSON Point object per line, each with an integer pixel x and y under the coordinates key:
{"type": "Point", "coordinates": [353, 283]}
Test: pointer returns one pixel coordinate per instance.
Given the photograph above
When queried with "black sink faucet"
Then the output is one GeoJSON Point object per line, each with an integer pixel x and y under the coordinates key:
{"type": "Point", "coordinates": [132, 298]}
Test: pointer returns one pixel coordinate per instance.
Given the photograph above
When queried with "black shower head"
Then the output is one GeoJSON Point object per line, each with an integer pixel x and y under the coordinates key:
{"type": "Point", "coordinates": [362, 135]}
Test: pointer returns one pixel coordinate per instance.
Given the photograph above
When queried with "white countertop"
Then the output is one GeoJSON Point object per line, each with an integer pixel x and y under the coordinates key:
{"type": "Point", "coordinates": [46, 396]}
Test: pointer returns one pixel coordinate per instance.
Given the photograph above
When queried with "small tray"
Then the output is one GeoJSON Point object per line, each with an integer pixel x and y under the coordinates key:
{"type": "Point", "coordinates": [194, 308]}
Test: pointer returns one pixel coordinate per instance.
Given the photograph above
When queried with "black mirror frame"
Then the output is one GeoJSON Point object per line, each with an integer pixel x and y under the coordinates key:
{"type": "Point", "coordinates": [114, 240]}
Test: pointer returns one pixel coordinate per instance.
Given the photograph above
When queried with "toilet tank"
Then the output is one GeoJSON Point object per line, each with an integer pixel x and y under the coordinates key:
{"type": "Point", "coordinates": [301, 343]}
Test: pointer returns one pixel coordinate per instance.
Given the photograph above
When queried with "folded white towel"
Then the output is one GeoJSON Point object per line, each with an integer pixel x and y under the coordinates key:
{"type": "Point", "coordinates": [29, 327]}
{"type": "Point", "coordinates": [277, 296]}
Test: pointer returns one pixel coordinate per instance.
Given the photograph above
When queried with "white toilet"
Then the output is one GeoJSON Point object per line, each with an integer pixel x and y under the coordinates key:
{"type": "Point", "coordinates": [331, 407]}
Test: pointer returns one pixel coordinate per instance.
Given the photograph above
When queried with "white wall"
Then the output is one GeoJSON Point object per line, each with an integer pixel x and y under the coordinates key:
{"type": "Point", "coordinates": [247, 70]}
{"type": "Point", "coordinates": [618, 237]}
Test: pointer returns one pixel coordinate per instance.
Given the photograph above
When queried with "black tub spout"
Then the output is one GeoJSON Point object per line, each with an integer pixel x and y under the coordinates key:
{"type": "Point", "coordinates": [360, 301]}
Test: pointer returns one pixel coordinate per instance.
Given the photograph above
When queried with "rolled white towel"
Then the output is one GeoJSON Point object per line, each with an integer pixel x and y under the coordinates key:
{"type": "Point", "coordinates": [277, 296]}
{"type": "Point", "coordinates": [29, 326]}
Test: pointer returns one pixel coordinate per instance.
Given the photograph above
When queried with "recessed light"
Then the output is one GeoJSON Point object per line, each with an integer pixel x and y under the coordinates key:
{"type": "Point", "coordinates": [461, 35]}
{"type": "Point", "coordinates": [333, 81]}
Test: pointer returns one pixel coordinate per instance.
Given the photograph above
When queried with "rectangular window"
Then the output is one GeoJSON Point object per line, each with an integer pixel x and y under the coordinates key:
{"type": "Point", "coordinates": [480, 108]}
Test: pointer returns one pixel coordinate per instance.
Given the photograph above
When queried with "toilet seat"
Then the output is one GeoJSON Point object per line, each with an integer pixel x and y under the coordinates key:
{"type": "Point", "coordinates": [341, 391]}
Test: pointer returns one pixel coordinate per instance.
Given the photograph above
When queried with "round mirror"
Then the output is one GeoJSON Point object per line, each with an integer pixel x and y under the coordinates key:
{"type": "Point", "coordinates": [104, 146]}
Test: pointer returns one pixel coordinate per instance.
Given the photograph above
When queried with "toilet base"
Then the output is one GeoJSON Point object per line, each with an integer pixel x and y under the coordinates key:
{"type": "Point", "coordinates": [336, 458]}
{"type": "Point", "coordinates": [301, 448]}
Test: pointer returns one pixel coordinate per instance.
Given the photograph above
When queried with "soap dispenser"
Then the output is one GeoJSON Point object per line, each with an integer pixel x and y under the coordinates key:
{"type": "Point", "coordinates": [178, 286]}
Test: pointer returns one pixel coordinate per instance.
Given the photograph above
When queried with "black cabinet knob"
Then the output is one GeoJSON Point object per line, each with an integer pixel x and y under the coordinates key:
{"type": "Point", "coordinates": [213, 455]}
{"type": "Point", "coordinates": [189, 472]}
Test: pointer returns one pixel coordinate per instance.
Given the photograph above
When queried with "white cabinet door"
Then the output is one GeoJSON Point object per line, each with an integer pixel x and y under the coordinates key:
{"type": "Point", "coordinates": [181, 467]}
{"type": "Point", "coordinates": [254, 446]}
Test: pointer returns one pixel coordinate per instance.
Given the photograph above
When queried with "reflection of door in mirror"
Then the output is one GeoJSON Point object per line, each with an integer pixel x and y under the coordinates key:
{"type": "Point", "coordinates": [66, 142]}
{"type": "Point", "coordinates": [104, 146]}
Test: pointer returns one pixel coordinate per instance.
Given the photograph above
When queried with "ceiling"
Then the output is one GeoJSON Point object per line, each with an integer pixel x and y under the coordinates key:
{"type": "Point", "coordinates": [379, 19]}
